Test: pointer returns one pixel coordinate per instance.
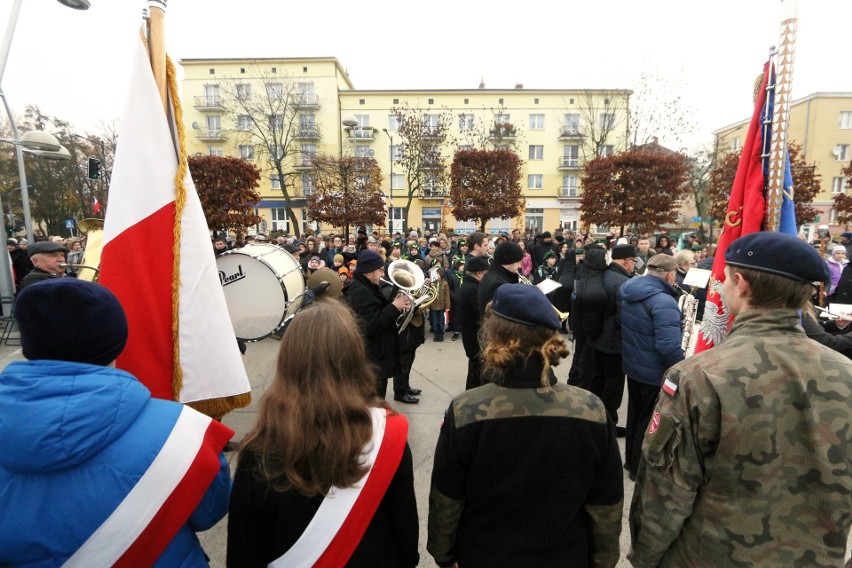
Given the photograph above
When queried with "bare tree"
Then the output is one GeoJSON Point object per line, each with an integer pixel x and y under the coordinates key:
{"type": "Point", "coordinates": [604, 117]}
{"type": "Point", "coordinates": [270, 120]}
{"type": "Point", "coordinates": [699, 165]}
{"type": "Point", "coordinates": [658, 111]}
{"type": "Point", "coordinates": [424, 136]}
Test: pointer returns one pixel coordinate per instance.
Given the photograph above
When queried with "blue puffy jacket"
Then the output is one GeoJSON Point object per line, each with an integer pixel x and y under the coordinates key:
{"type": "Point", "coordinates": [77, 438]}
{"type": "Point", "coordinates": [650, 329]}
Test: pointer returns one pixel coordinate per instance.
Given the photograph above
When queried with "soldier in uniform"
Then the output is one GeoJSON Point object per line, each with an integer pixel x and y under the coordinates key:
{"type": "Point", "coordinates": [527, 472]}
{"type": "Point", "coordinates": [746, 459]}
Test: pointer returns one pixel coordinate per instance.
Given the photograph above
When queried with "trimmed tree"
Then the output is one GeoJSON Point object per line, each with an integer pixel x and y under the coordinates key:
{"type": "Point", "coordinates": [227, 188]}
{"type": "Point", "coordinates": [485, 184]}
{"type": "Point", "coordinates": [843, 201]}
{"type": "Point", "coordinates": [640, 188]}
{"type": "Point", "coordinates": [347, 192]}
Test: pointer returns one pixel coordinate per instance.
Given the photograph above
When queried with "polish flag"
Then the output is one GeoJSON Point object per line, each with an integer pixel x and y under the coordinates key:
{"type": "Point", "coordinates": [157, 260]}
{"type": "Point", "coordinates": [96, 207]}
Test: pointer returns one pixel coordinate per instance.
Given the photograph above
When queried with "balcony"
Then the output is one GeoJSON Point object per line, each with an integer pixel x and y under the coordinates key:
{"type": "Point", "coordinates": [570, 133]}
{"type": "Point", "coordinates": [304, 163]}
{"type": "Point", "coordinates": [434, 192]}
{"type": "Point", "coordinates": [211, 135]}
{"type": "Point", "coordinates": [364, 134]}
{"type": "Point", "coordinates": [306, 101]}
{"type": "Point", "coordinates": [307, 132]}
{"type": "Point", "coordinates": [568, 193]}
{"type": "Point", "coordinates": [568, 163]}
{"type": "Point", "coordinates": [209, 104]}
{"type": "Point", "coordinates": [431, 164]}
{"type": "Point", "coordinates": [430, 131]}
{"type": "Point", "coordinates": [502, 132]}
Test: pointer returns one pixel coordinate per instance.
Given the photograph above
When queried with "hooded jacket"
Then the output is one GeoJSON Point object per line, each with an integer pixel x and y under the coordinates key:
{"type": "Point", "coordinates": [78, 437]}
{"type": "Point", "coordinates": [650, 329]}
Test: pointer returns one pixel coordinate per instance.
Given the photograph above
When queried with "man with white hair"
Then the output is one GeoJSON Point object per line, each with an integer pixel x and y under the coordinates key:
{"type": "Point", "coordinates": [48, 260]}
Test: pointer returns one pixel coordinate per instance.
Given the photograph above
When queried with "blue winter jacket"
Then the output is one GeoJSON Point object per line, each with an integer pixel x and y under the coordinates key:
{"type": "Point", "coordinates": [650, 329]}
{"type": "Point", "coordinates": [77, 438]}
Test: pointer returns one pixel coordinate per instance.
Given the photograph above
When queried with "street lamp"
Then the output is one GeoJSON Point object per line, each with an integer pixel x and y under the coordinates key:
{"type": "Point", "coordinates": [40, 143]}
{"type": "Point", "coordinates": [390, 182]}
{"type": "Point", "coordinates": [350, 122]}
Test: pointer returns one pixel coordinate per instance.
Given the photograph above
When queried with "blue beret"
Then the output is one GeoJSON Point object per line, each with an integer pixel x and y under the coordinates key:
{"type": "Point", "coordinates": [778, 253]}
{"type": "Point", "coordinates": [524, 304]}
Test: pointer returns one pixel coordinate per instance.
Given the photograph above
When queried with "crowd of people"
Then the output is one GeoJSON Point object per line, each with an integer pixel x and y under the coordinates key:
{"type": "Point", "coordinates": [739, 454]}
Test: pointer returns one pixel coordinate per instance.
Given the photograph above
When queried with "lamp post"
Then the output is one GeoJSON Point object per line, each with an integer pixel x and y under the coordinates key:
{"type": "Point", "coordinates": [390, 181]}
{"type": "Point", "coordinates": [40, 143]}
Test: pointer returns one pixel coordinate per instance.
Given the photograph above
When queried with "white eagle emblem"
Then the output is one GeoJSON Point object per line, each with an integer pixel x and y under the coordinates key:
{"type": "Point", "coordinates": [714, 326]}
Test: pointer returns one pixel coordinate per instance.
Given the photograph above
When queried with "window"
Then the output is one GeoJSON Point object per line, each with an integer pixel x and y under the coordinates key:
{"type": "Point", "coordinates": [363, 120]}
{"type": "Point", "coordinates": [306, 94]}
{"type": "Point", "coordinates": [735, 145]}
{"type": "Point", "coordinates": [395, 218]}
{"type": "Point", "coordinates": [393, 122]}
{"type": "Point", "coordinates": [570, 156]}
{"type": "Point", "coordinates": [362, 151]}
{"type": "Point", "coordinates": [536, 152]}
{"type": "Point", "coordinates": [606, 151]}
{"type": "Point", "coordinates": [569, 186]}
{"type": "Point", "coordinates": [431, 123]}
{"type": "Point", "coordinates": [466, 122]}
{"type": "Point", "coordinates": [244, 123]}
{"type": "Point", "coordinates": [502, 118]}
{"type": "Point", "coordinates": [275, 181]}
{"type": "Point", "coordinates": [838, 184]}
{"type": "Point", "coordinates": [275, 91]}
{"type": "Point", "coordinates": [309, 152]}
{"type": "Point", "coordinates": [534, 220]}
{"type": "Point", "coordinates": [308, 185]}
{"type": "Point", "coordinates": [536, 122]}
{"type": "Point", "coordinates": [396, 152]}
{"type": "Point", "coordinates": [606, 120]}
{"type": "Point", "coordinates": [846, 119]}
{"type": "Point", "coordinates": [464, 147]}
{"type": "Point", "coordinates": [276, 152]}
{"type": "Point", "coordinates": [214, 125]}
{"type": "Point", "coordinates": [215, 151]}
{"type": "Point", "coordinates": [211, 95]}
{"type": "Point", "coordinates": [307, 124]}
{"type": "Point", "coordinates": [276, 122]}
{"type": "Point", "coordinates": [572, 123]}
{"type": "Point", "coordinates": [397, 181]}
{"type": "Point", "coordinates": [841, 152]}
{"type": "Point", "coordinates": [247, 152]}
{"type": "Point", "coordinates": [243, 91]}
{"type": "Point", "coordinates": [534, 181]}
{"type": "Point", "coordinates": [280, 222]}
{"type": "Point", "coordinates": [832, 216]}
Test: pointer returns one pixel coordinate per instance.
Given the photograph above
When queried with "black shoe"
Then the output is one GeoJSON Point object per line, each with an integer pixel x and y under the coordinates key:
{"type": "Point", "coordinates": [413, 392]}
{"type": "Point", "coordinates": [441, 338]}
{"type": "Point", "coordinates": [620, 431]}
{"type": "Point", "coordinates": [406, 398]}
{"type": "Point", "coordinates": [455, 337]}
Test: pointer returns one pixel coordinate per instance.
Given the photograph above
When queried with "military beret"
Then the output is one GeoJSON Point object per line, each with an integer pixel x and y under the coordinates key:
{"type": "Point", "coordinates": [623, 251]}
{"type": "Point", "coordinates": [45, 246]}
{"type": "Point", "coordinates": [777, 253]}
{"type": "Point", "coordinates": [524, 304]}
{"type": "Point", "coordinates": [662, 263]}
{"type": "Point", "coordinates": [477, 264]}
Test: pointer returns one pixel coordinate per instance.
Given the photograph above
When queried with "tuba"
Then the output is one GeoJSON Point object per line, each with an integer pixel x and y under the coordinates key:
{"type": "Point", "coordinates": [409, 279]}
{"type": "Point", "coordinates": [688, 305]}
{"type": "Point", "coordinates": [89, 268]}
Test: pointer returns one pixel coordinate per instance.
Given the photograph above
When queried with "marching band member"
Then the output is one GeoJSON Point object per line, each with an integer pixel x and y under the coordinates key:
{"type": "Point", "coordinates": [96, 471]}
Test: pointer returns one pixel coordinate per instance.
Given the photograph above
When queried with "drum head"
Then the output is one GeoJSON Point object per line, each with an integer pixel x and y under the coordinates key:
{"type": "Point", "coordinates": [255, 294]}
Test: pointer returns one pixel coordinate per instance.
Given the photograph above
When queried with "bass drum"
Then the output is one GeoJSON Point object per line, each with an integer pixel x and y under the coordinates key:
{"type": "Point", "coordinates": [263, 284]}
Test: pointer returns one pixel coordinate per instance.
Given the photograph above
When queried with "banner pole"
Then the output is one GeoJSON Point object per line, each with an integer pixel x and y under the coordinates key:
{"type": "Point", "coordinates": [157, 47]}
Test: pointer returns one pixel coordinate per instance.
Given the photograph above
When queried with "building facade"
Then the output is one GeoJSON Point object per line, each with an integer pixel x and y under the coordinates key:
{"type": "Point", "coordinates": [296, 108]}
{"type": "Point", "coordinates": [822, 124]}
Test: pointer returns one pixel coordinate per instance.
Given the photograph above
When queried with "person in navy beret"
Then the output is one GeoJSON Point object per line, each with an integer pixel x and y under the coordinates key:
{"type": "Point", "coordinates": [527, 472]}
{"type": "Point", "coordinates": [746, 455]}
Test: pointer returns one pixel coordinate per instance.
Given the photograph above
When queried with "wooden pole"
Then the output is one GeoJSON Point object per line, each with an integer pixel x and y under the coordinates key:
{"type": "Point", "coordinates": [781, 113]}
{"type": "Point", "coordinates": [157, 47]}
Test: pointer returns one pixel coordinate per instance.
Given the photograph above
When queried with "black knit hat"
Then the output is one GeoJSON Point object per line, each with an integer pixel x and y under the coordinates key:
{"type": "Point", "coordinates": [47, 311]}
{"type": "Point", "coordinates": [623, 251]}
{"type": "Point", "coordinates": [477, 264]}
{"type": "Point", "coordinates": [368, 261]}
{"type": "Point", "coordinates": [508, 253]}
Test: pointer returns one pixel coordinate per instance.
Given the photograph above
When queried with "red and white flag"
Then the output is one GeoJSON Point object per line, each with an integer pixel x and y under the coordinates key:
{"type": "Point", "coordinates": [96, 206]}
{"type": "Point", "coordinates": [157, 259]}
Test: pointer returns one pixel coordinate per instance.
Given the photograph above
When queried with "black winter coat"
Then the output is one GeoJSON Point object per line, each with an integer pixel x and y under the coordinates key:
{"type": "Point", "coordinates": [377, 317]}
{"type": "Point", "coordinates": [565, 272]}
{"type": "Point", "coordinates": [588, 303]}
{"type": "Point", "coordinates": [469, 315]}
{"type": "Point", "coordinates": [493, 279]}
{"type": "Point", "coordinates": [609, 341]}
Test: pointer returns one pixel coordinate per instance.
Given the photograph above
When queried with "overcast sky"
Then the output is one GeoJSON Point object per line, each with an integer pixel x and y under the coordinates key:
{"type": "Point", "coordinates": [74, 64]}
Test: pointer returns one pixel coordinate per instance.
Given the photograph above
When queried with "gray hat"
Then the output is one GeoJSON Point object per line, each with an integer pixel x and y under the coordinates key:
{"type": "Point", "coordinates": [45, 246]}
{"type": "Point", "coordinates": [662, 263]}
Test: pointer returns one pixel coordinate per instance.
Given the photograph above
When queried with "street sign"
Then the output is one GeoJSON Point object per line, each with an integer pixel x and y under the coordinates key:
{"type": "Point", "coordinates": [69, 223]}
{"type": "Point", "coordinates": [695, 221]}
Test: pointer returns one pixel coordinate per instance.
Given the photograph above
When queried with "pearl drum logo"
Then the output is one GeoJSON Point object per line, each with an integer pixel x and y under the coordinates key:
{"type": "Point", "coordinates": [225, 279]}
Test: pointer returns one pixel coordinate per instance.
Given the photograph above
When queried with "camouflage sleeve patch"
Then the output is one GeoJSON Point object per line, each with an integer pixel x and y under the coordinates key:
{"type": "Point", "coordinates": [606, 528]}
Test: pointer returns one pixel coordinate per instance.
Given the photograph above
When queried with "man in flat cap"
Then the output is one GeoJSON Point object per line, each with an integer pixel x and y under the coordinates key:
{"type": "Point", "coordinates": [746, 459]}
{"type": "Point", "coordinates": [47, 258]}
{"type": "Point", "coordinates": [650, 344]}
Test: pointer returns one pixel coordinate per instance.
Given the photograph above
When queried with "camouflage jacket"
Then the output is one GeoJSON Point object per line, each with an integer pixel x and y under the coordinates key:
{"type": "Point", "coordinates": [746, 461]}
{"type": "Point", "coordinates": [526, 476]}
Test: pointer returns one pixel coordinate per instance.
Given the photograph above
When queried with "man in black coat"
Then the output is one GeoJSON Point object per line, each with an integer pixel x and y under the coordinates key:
{"type": "Point", "coordinates": [471, 320]}
{"type": "Point", "coordinates": [603, 362]}
{"type": "Point", "coordinates": [48, 260]}
{"type": "Point", "coordinates": [377, 317]}
{"type": "Point", "coordinates": [503, 270]}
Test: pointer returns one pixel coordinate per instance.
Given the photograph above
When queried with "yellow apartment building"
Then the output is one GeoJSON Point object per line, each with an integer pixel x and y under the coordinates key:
{"type": "Point", "coordinates": [553, 131]}
{"type": "Point", "coordinates": [822, 124]}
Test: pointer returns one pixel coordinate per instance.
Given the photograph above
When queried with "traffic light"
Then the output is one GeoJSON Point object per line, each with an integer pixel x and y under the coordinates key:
{"type": "Point", "coordinates": [94, 168]}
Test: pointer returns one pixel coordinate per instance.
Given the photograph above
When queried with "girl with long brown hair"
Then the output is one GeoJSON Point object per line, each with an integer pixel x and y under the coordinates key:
{"type": "Point", "coordinates": [322, 440]}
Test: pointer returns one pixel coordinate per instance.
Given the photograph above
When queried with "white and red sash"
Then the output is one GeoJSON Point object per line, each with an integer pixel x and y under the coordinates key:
{"type": "Point", "coordinates": [150, 515]}
{"type": "Point", "coordinates": [342, 518]}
